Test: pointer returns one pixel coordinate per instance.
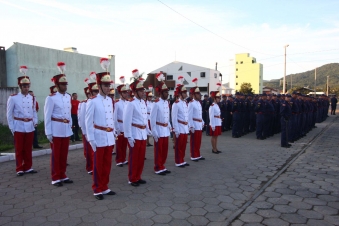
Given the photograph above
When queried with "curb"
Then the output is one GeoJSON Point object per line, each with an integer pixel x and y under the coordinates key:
{"type": "Point", "coordinates": [11, 156]}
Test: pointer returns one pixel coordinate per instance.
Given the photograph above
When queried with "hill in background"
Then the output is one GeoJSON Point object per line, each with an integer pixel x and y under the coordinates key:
{"type": "Point", "coordinates": [306, 79]}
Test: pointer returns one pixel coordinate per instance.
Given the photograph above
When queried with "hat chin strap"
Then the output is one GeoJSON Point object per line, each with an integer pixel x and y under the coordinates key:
{"type": "Point", "coordinates": [102, 90]}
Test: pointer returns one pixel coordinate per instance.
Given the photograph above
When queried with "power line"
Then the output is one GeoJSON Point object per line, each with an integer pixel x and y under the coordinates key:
{"type": "Point", "coordinates": [212, 31]}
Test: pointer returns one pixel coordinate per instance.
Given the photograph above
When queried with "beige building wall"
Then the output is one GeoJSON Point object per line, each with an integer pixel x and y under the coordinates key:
{"type": "Point", "coordinates": [249, 71]}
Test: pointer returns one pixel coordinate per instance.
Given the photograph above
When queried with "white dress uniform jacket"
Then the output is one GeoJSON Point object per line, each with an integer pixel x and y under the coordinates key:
{"type": "Point", "coordinates": [21, 106]}
{"type": "Point", "coordinates": [149, 105]}
{"type": "Point", "coordinates": [82, 116]}
{"type": "Point", "coordinates": [195, 115]}
{"type": "Point", "coordinates": [160, 114]}
{"type": "Point", "coordinates": [180, 113]}
{"type": "Point", "coordinates": [214, 114]}
{"type": "Point", "coordinates": [58, 106]}
{"type": "Point", "coordinates": [99, 112]}
{"type": "Point", "coordinates": [119, 115]}
{"type": "Point", "coordinates": [137, 114]}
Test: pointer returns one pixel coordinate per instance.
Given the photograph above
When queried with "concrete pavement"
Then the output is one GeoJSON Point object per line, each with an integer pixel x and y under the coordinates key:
{"type": "Point", "coordinates": [244, 184]}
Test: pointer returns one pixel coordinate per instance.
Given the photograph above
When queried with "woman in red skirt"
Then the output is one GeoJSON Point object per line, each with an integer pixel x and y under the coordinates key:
{"type": "Point", "coordinates": [215, 120]}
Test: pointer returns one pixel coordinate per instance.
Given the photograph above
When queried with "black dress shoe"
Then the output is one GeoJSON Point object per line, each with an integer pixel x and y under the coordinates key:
{"type": "Point", "coordinates": [149, 145]}
{"type": "Point", "coordinates": [285, 146]}
{"type": "Point", "coordinates": [134, 184]}
{"type": "Point", "coordinates": [215, 152]}
{"type": "Point", "coordinates": [167, 171]}
{"type": "Point", "coordinates": [161, 173]}
{"type": "Point", "coordinates": [120, 165]}
{"type": "Point", "coordinates": [219, 151]}
{"type": "Point", "coordinates": [78, 140]}
{"type": "Point", "coordinates": [68, 181]}
{"type": "Point", "coordinates": [181, 166]}
{"type": "Point", "coordinates": [202, 158]}
{"type": "Point", "coordinates": [186, 164]}
{"type": "Point", "coordinates": [99, 197]}
{"type": "Point", "coordinates": [110, 193]}
{"type": "Point", "coordinates": [37, 146]}
{"type": "Point", "coordinates": [113, 153]}
{"type": "Point", "coordinates": [58, 184]}
{"type": "Point", "coordinates": [141, 181]}
{"type": "Point", "coordinates": [90, 173]}
{"type": "Point", "coordinates": [195, 160]}
{"type": "Point", "coordinates": [32, 171]}
{"type": "Point", "coordinates": [20, 174]}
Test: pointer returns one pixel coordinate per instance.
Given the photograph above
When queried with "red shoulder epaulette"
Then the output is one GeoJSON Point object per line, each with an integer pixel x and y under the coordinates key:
{"type": "Point", "coordinates": [116, 101]}
{"type": "Point", "coordinates": [130, 99]}
{"type": "Point", "coordinates": [177, 101]}
{"type": "Point", "coordinates": [14, 94]}
{"type": "Point", "coordinates": [52, 94]}
{"type": "Point", "coordinates": [84, 101]}
{"type": "Point", "coordinates": [192, 100]}
{"type": "Point", "coordinates": [93, 97]}
{"type": "Point", "coordinates": [157, 100]}
{"type": "Point", "coordinates": [212, 104]}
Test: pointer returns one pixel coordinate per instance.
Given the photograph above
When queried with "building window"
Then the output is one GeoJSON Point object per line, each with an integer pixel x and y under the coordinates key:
{"type": "Point", "coordinates": [170, 88]}
{"type": "Point", "coordinates": [253, 61]}
{"type": "Point", "coordinates": [241, 62]}
{"type": "Point", "coordinates": [237, 62]}
{"type": "Point", "coordinates": [236, 83]}
{"type": "Point", "coordinates": [169, 77]}
{"type": "Point", "coordinates": [180, 69]}
{"type": "Point", "coordinates": [203, 89]}
{"type": "Point", "coordinates": [189, 73]}
{"type": "Point", "coordinates": [236, 69]}
{"type": "Point", "coordinates": [236, 76]}
{"type": "Point", "coordinates": [215, 75]}
{"type": "Point", "coordinates": [185, 82]}
{"type": "Point", "coordinates": [202, 74]}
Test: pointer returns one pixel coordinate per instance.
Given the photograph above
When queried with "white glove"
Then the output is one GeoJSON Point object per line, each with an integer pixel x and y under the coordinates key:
{"type": "Point", "coordinates": [131, 141]}
{"type": "Point", "coordinates": [177, 134]}
{"type": "Point", "coordinates": [155, 138]}
{"type": "Point", "coordinates": [149, 133]}
{"type": "Point", "coordinates": [50, 138]}
{"type": "Point", "coordinates": [93, 144]}
{"type": "Point", "coordinates": [192, 130]}
{"type": "Point", "coordinates": [12, 130]}
{"type": "Point", "coordinates": [213, 128]}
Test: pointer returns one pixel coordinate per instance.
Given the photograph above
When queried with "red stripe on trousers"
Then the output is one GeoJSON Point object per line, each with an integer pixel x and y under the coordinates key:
{"type": "Point", "coordinates": [160, 153]}
{"type": "Point", "coordinates": [59, 154]}
{"type": "Point", "coordinates": [136, 160]}
{"type": "Point", "coordinates": [23, 143]}
{"type": "Point", "coordinates": [195, 143]}
{"type": "Point", "coordinates": [180, 148]}
{"type": "Point", "coordinates": [121, 149]}
{"type": "Point", "coordinates": [101, 168]}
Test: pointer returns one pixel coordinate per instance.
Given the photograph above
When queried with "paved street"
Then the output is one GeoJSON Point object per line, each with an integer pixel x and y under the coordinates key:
{"type": "Point", "coordinates": [252, 182]}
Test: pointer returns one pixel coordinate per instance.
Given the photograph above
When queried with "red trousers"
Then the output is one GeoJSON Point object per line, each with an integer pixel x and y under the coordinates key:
{"type": "Point", "coordinates": [121, 148]}
{"type": "Point", "coordinates": [84, 141]}
{"type": "Point", "coordinates": [59, 154]}
{"type": "Point", "coordinates": [23, 143]}
{"type": "Point", "coordinates": [195, 143]}
{"type": "Point", "coordinates": [136, 160]}
{"type": "Point", "coordinates": [88, 155]}
{"type": "Point", "coordinates": [102, 162]}
{"type": "Point", "coordinates": [180, 148]}
{"type": "Point", "coordinates": [160, 154]}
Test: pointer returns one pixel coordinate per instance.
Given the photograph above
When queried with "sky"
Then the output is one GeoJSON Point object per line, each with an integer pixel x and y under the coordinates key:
{"type": "Point", "coordinates": [150, 34]}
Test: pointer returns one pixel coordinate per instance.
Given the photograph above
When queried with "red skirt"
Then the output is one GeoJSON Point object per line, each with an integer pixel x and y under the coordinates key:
{"type": "Point", "coordinates": [216, 132]}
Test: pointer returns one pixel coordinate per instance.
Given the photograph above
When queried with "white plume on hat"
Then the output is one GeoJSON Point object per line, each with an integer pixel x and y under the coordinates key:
{"type": "Point", "coordinates": [181, 79]}
{"type": "Point", "coordinates": [122, 79]}
{"type": "Point", "coordinates": [62, 67]}
{"type": "Point", "coordinates": [104, 62]}
{"type": "Point", "coordinates": [23, 70]}
{"type": "Point", "coordinates": [135, 73]}
{"type": "Point", "coordinates": [93, 76]}
{"type": "Point", "coordinates": [160, 76]}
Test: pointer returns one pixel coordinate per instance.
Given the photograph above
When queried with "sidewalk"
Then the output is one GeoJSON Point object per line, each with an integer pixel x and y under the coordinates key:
{"type": "Point", "coordinates": [210, 192]}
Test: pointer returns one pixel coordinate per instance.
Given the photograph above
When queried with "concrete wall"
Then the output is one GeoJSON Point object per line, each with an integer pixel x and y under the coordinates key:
{"type": "Point", "coordinates": [249, 71]}
{"type": "Point", "coordinates": [3, 77]}
{"type": "Point", "coordinates": [4, 94]}
{"type": "Point", "coordinates": [41, 63]}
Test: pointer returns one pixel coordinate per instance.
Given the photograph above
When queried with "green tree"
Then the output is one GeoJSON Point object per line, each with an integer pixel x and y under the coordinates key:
{"type": "Point", "coordinates": [246, 88]}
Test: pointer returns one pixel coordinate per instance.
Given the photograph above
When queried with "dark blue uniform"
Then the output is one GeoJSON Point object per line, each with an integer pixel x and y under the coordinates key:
{"type": "Point", "coordinates": [334, 102]}
{"type": "Point", "coordinates": [236, 112]}
{"type": "Point", "coordinates": [294, 120]}
{"type": "Point", "coordinates": [285, 113]}
{"type": "Point", "coordinates": [260, 109]}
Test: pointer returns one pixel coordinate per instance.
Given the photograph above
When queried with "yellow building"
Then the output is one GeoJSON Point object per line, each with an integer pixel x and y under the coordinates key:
{"type": "Point", "coordinates": [249, 71]}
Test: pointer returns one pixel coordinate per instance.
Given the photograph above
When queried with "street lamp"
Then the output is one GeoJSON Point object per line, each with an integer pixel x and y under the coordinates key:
{"type": "Point", "coordinates": [284, 81]}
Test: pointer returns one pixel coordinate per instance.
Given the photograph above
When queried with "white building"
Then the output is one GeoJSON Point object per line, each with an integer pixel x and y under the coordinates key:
{"type": "Point", "coordinates": [42, 66]}
{"type": "Point", "coordinates": [207, 78]}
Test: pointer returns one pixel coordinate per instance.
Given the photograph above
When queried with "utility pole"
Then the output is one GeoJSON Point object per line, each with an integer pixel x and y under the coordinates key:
{"type": "Point", "coordinates": [284, 82]}
{"type": "Point", "coordinates": [327, 86]}
{"type": "Point", "coordinates": [315, 82]}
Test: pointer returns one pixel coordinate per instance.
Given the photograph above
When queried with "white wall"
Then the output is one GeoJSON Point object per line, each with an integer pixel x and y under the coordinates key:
{"type": "Point", "coordinates": [41, 63]}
